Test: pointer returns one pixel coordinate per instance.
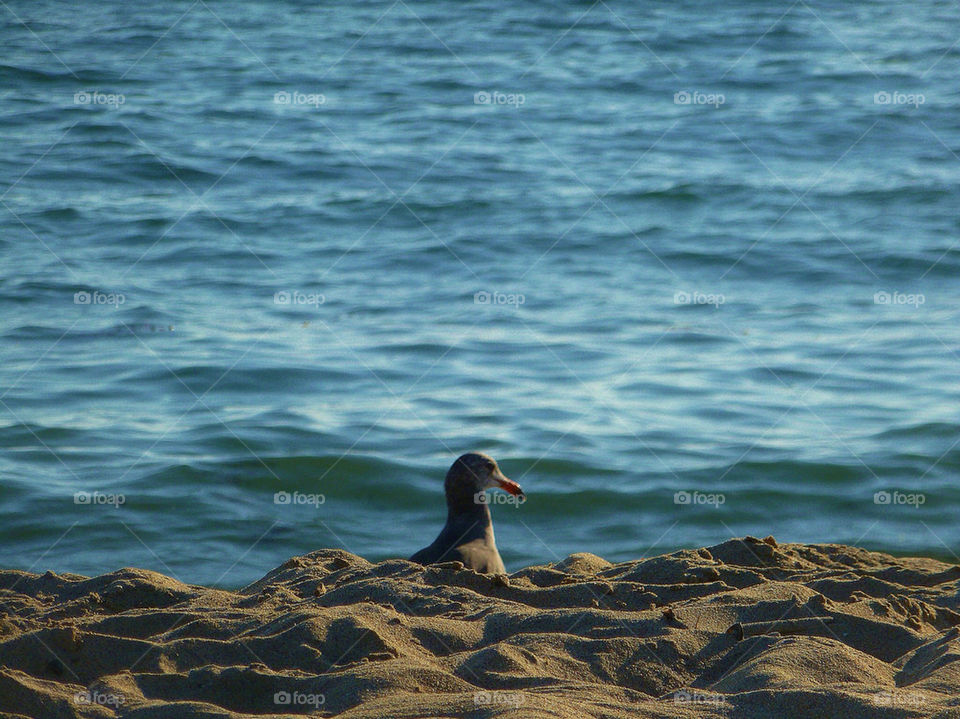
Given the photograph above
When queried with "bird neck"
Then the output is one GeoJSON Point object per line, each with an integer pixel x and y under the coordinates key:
{"type": "Point", "coordinates": [461, 509]}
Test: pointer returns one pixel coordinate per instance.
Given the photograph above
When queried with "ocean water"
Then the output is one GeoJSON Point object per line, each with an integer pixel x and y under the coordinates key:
{"type": "Point", "coordinates": [687, 271]}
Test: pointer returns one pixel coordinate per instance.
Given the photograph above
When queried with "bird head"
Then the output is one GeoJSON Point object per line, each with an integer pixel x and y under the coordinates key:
{"type": "Point", "coordinates": [474, 473]}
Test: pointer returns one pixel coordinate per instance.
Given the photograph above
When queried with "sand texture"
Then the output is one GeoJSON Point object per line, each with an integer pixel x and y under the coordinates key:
{"type": "Point", "coordinates": [746, 628]}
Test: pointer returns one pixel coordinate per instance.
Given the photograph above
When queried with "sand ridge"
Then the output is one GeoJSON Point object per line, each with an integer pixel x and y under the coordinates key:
{"type": "Point", "coordinates": [746, 628]}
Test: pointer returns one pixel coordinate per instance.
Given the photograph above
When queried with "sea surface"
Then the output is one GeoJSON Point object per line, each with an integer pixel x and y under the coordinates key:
{"type": "Point", "coordinates": [686, 270]}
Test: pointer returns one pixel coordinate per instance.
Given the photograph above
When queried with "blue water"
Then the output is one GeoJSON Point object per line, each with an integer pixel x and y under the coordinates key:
{"type": "Point", "coordinates": [680, 220]}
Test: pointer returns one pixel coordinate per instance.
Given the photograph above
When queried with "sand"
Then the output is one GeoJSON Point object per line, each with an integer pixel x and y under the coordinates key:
{"type": "Point", "coordinates": [746, 628]}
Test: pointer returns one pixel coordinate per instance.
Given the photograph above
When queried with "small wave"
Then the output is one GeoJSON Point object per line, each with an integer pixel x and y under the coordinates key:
{"type": "Point", "coordinates": [148, 166]}
{"type": "Point", "coordinates": [19, 434]}
{"type": "Point", "coordinates": [13, 73]}
{"type": "Point", "coordinates": [933, 430]}
{"type": "Point", "coordinates": [681, 192]}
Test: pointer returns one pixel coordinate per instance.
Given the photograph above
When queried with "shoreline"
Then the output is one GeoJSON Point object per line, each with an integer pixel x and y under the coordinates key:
{"type": "Point", "coordinates": [745, 628]}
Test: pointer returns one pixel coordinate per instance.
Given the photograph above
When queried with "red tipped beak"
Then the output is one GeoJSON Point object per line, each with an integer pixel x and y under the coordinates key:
{"type": "Point", "coordinates": [510, 486]}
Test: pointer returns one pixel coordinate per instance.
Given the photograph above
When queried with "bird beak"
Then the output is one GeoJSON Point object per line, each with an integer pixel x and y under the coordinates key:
{"type": "Point", "coordinates": [508, 485]}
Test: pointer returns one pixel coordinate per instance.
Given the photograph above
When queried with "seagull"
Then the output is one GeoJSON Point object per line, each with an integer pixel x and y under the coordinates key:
{"type": "Point", "coordinates": [468, 534]}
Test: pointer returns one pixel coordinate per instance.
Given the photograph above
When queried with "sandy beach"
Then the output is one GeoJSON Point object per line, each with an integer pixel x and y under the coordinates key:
{"type": "Point", "coordinates": [745, 628]}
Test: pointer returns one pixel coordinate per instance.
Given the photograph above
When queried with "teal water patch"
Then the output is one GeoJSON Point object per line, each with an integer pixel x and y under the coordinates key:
{"type": "Point", "coordinates": [686, 275]}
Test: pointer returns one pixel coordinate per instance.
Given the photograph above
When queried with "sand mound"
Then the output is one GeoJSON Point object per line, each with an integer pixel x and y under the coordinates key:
{"type": "Point", "coordinates": [743, 629]}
